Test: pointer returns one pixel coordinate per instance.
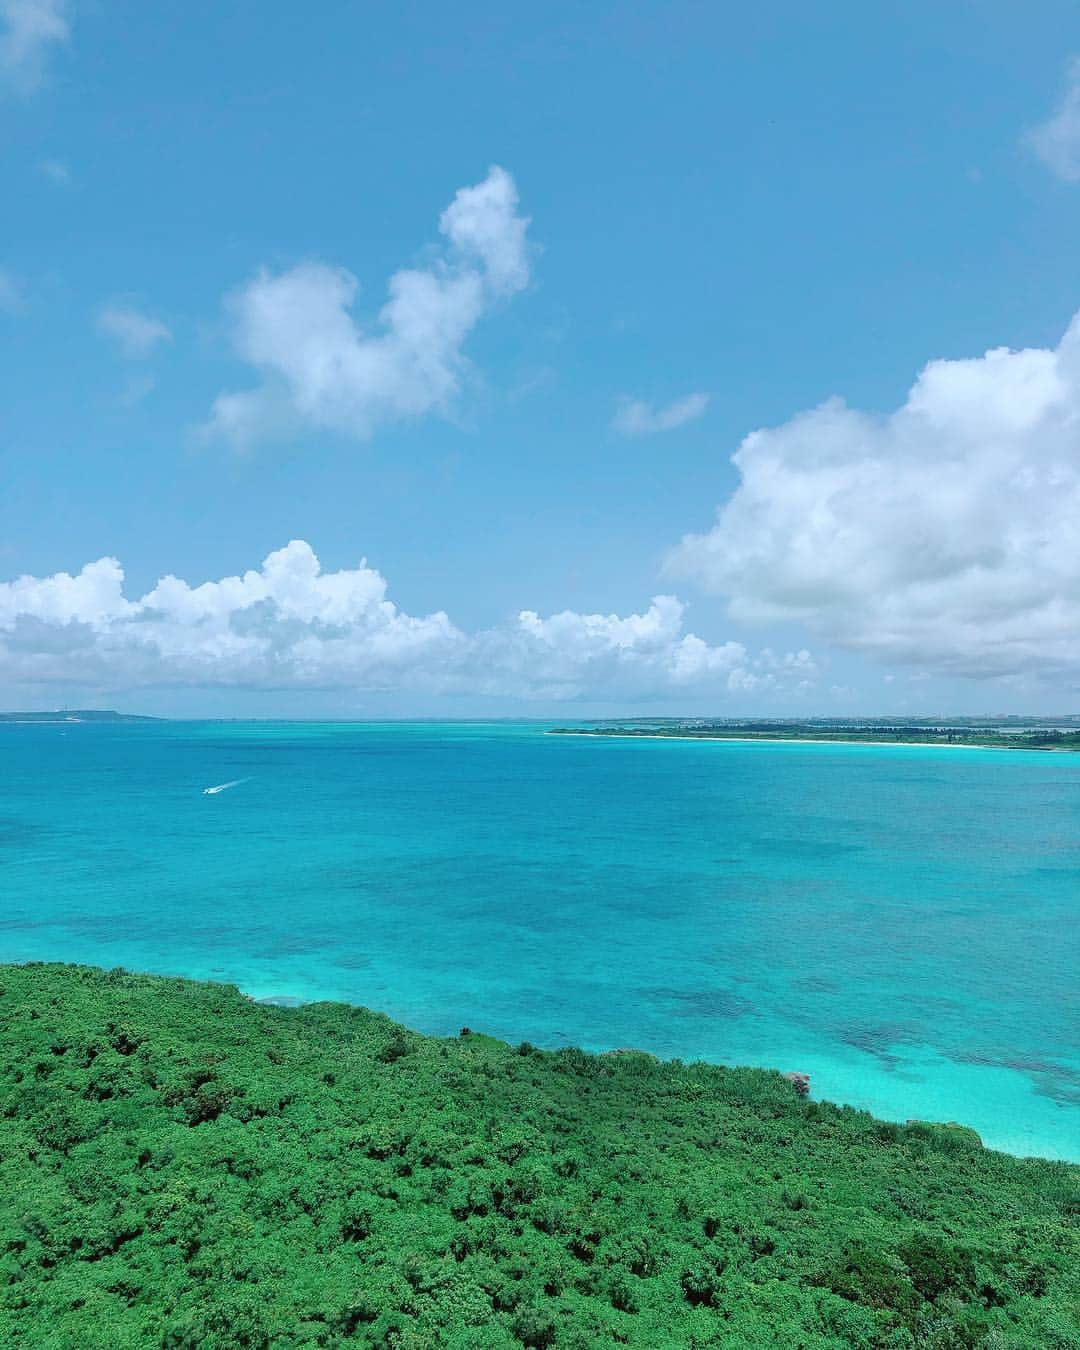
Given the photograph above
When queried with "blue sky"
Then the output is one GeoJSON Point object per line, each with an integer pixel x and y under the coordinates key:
{"type": "Point", "coordinates": [732, 217]}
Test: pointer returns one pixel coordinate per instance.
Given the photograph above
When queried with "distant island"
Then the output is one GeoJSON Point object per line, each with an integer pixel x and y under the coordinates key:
{"type": "Point", "coordinates": [76, 715]}
{"type": "Point", "coordinates": [997, 733]}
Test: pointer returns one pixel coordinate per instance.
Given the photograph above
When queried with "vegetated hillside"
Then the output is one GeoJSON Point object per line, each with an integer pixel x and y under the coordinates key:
{"type": "Point", "coordinates": [182, 1167]}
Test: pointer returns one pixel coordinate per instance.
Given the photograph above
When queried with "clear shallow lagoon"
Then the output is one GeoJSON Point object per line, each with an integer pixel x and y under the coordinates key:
{"type": "Point", "coordinates": [901, 922]}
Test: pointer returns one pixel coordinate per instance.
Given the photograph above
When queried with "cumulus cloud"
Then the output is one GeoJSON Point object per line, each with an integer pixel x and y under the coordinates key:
{"type": "Point", "coordinates": [137, 334]}
{"type": "Point", "coordinates": [1057, 141]}
{"type": "Point", "coordinates": [31, 28]}
{"type": "Point", "coordinates": [290, 625]}
{"type": "Point", "coordinates": [944, 535]}
{"type": "Point", "coordinates": [321, 369]}
{"type": "Point", "coordinates": [635, 417]}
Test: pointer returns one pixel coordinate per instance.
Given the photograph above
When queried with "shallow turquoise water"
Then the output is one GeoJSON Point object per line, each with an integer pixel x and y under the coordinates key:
{"type": "Point", "coordinates": [900, 922]}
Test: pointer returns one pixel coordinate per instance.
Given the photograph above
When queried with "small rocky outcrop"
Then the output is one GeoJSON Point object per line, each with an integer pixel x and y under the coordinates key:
{"type": "Point", "coordinates": [800, 1082]}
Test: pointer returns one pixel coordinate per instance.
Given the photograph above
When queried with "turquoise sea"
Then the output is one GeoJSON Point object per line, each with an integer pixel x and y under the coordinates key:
{"type": "Point", "coordinates": [899, 922]}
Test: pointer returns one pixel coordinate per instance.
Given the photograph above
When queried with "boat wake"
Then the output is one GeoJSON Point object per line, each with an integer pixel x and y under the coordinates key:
{"type": "Point", "coordinates": [210, 791]}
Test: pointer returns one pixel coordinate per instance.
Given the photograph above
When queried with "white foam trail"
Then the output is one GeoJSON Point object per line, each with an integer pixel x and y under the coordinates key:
{"type": "Point", "coordinates": [209, 792]}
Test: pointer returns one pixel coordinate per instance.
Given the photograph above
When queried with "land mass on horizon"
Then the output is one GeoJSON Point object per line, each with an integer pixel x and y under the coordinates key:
{"type": "Point", "coordinates": [1000, 733]}
{"type": "Point", "coordinates": [58, 715]}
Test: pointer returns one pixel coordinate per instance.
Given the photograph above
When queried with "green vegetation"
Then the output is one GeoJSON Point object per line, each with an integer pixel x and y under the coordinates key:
{"type": "Point", "coordinates": [182, 1167]}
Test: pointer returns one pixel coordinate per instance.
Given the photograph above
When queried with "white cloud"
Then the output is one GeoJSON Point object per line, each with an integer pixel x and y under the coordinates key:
{"type": "Point", "coordinates": [137, 334]}
{"type": "Point", "coordinates": [320, 369]}
{"type": "Point", "coordinates": [1057, 141]}
{"type": "Point", "coordinates": [944, 536]}
{"type": "Point", "coordinates": [31, 28]}
{"type": "Point", "coordinates": [635, 417]}
{"type": "Point", "coordinates": [290, 625]}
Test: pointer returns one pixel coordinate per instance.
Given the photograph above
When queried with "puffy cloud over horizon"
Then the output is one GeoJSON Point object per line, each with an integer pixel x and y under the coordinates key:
{"type": "Point", "coordinates": [30, 29]}
{"type": "Point", "coordinates": [943, 536]}
{"type": "Point", "coordinates": [289, 625]}
{"type": "Point", "coordinates": [321, 369]}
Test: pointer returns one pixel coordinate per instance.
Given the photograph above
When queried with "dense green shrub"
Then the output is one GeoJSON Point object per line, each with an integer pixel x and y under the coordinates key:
{"type": "Point", "coordinates": [181, 1167]}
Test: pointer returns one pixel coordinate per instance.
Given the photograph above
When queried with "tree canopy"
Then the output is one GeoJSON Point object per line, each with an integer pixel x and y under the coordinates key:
{"type": "Point", "coordinates": [182, 1167]}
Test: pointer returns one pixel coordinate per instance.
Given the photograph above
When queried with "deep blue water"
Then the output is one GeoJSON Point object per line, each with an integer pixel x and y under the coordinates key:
{"type": "Point", "coordinates": [900, 922]}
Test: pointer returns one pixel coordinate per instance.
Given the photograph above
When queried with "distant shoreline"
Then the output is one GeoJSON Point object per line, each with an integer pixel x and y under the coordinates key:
{"type": "Point", "coordinates": [57, 717]}
{"type": "Point", "coordinates": [795, 740]}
